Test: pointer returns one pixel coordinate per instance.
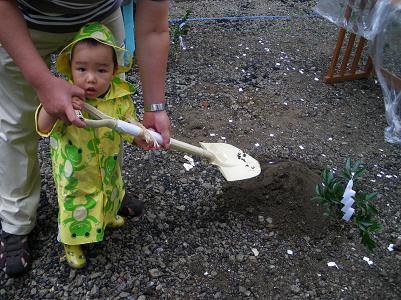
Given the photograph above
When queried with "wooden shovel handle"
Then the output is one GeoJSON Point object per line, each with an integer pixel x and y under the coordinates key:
{"type": "Point", "coordinates": [110, 123]}
{"type": "Point", "coordinates": [191, 149]}
{"type": "Point", "coordinates": [135, 130]}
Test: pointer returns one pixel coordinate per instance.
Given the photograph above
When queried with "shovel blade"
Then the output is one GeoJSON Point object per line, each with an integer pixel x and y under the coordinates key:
{"type": "Point", "coordinates": [232, 162]}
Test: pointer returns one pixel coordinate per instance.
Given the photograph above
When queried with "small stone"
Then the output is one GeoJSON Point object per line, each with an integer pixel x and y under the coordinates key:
{"type": "Point", "coordinates": [240, 257]}
{"type": "Point", "coordinates": [154, 273]}
{"type": "Point", "coordinates": [397, 245]}
{"type": "Point", "coordinates": [252, 258]}
{"type": "Point", "coordinates": [95, 290]}
{"type": "Point", "coordinates": [146, 250]}
{"type": "Point", "coordinates": [181, 207]}
{"type": "Point", "coordinates": [124, 295]}
{"type": "Point", "coordinates": [95, 275]}
{"type": "Point", "coordinates": [10, 282]}
{"type": "Point", "coordinates": [79, 281]}
{"type": "Point", "coordinates": [250, 210]}
{"type": "Point", "coordinates": [72, 274]}
{"type": "Point", "coordinates": [295, 289]}
{"type": "Point", "coordinates": [244, 291]}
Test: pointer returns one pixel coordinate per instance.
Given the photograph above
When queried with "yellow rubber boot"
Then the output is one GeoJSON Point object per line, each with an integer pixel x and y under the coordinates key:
{"type": "Point", "coordinates": [117, 222]}
{"type": "Point", "coordinates": [75, 257]}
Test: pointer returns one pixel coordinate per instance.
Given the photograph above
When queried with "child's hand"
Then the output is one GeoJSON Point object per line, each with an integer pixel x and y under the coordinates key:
{"type": "Point", "coordinates": [77, 103]}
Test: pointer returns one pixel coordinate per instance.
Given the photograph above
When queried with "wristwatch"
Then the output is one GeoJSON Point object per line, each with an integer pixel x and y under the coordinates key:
{"type": "Point", "coordinates": [155, 107]}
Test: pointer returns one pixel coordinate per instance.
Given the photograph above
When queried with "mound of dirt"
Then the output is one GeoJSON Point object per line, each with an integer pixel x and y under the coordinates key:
{"type": "Point", "coordinates": [282, 195]}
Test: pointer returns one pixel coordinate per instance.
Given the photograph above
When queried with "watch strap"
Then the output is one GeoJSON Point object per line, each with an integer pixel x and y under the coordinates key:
{"type": "Point", "coordinates": [155, 107]}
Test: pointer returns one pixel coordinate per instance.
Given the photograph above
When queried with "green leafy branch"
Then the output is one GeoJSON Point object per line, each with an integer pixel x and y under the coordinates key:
{"type": "Point", "coordinates": [330, 193]}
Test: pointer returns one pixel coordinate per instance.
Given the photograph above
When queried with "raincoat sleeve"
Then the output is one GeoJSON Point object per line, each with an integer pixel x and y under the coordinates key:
{"type": "Point", "coordinates": [55, 127]}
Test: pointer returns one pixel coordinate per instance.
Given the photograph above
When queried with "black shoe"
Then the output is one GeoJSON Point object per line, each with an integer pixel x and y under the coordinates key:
{"type": "Point", "coordinates": [14, 254]}
{"type": "Point", "coordinates": [130, 206]}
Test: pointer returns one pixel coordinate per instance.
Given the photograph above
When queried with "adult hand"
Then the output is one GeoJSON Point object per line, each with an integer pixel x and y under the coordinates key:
{"type": "Point", "coordinates": [56, 97]}
{"type": "Point", "coordinates": [159, 121]}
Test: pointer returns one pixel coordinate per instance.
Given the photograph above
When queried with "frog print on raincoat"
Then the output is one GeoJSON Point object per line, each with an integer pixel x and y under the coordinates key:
{"type": "Point", "coordinates": [80, 219]}
{"type": "Point", "coordinates": [72, 157]}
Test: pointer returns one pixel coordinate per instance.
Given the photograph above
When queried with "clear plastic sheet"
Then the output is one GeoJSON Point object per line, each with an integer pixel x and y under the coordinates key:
{"type": "Point", "coordinates": [379, 21]}
{"type": "Point", "coordinates": [362, 17]}
{"type": "Point", "coordinates": [385, 50]}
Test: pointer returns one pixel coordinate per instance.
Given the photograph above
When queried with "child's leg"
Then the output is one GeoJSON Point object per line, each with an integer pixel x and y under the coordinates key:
{"type": "Point", "coordinates": [75, 257]}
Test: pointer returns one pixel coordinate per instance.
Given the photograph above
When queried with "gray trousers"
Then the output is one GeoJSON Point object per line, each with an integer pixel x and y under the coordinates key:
{"type": "Point", "coordinates": [19, 167]}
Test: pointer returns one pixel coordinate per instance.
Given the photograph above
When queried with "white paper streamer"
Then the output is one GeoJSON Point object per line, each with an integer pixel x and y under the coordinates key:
{"type": "Point", "coordinates": [347, 204]}
{"type": "Point", "coordinates": [348, 214]}
{"type": "Point", "coordinates": [182, 45]}
{"type": "Point", "coordinates": [348, 200]}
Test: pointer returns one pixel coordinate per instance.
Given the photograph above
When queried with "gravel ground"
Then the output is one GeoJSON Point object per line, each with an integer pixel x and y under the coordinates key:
{"type": "Point", "coordinates": [256, 84]}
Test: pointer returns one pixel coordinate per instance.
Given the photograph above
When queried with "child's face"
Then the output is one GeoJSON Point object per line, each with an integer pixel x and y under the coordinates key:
{"type": "Point", "coordinates": [92, 68]}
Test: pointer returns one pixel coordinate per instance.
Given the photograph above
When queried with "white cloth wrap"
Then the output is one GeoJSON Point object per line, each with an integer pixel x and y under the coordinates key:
{"type": "Point", "coordinates": [135, 130]}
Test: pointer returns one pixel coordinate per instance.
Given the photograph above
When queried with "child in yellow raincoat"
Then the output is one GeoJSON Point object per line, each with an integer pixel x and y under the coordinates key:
{"type": "Point", "coordinates": [86, 165]}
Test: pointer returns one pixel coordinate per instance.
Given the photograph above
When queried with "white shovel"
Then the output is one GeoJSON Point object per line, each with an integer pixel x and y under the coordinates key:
{"type": "Point", "coordinates": [231, 161]}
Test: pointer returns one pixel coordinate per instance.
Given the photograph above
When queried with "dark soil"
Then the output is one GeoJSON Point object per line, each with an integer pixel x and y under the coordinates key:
{"type": "Point", "coordinates": [258, 85]}
{"type": "Point", "coordinates": [282, 193]}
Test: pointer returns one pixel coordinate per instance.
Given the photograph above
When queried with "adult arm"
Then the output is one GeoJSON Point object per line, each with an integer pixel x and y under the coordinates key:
{"type": "Point", "coordinates": [54, 93]}
{"type": "Point", "coordinates": [152, 46]}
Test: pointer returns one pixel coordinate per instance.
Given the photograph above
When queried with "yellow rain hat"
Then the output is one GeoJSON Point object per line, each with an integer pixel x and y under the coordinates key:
{"type": "Point", "coordinates": [100, 33]}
